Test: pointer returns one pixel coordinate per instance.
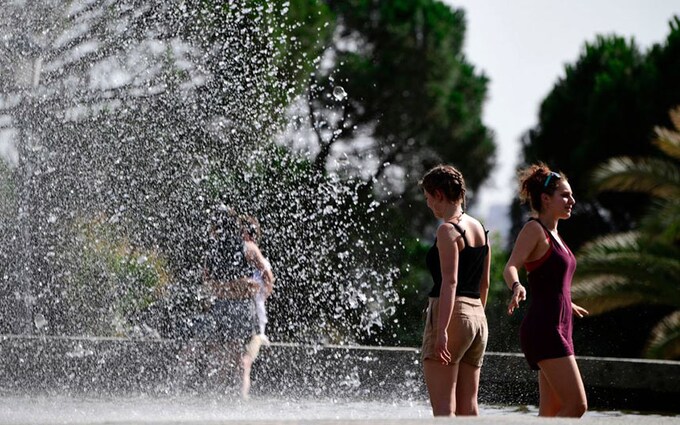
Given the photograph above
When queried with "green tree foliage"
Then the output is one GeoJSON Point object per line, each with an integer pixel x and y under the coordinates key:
{"type": "Point", "coordinates": [405, 327]}
{"type": "Point", "coordinates": [107, 281]}
{"type": "Point", "coordinates": [641, 266]}
{"type": "Point", "coordinates": [413, 100]}
{"type": "Point", "coordinates": [603, 107]}
{"type": "Point", "coordinates": [276, 44]}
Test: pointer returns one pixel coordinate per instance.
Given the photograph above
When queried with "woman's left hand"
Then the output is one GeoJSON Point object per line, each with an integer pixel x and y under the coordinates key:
{"type": "Point", "coordinates": [578, 310]}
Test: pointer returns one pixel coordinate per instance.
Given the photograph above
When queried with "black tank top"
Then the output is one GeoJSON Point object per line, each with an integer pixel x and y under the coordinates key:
{"type": "Point", "coordinates": [470, 266]}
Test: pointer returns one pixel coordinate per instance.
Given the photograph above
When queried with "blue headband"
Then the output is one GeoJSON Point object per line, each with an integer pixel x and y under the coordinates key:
{"type": "Point", "coordinates": [552, 173]}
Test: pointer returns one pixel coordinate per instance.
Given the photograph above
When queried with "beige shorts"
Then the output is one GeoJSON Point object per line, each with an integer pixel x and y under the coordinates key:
{"type": "Point", "coordinates": [468, 332]}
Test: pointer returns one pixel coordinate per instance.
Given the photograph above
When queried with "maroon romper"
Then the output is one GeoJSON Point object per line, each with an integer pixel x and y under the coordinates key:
{"type": "Point", "coordinates": [546, 331]}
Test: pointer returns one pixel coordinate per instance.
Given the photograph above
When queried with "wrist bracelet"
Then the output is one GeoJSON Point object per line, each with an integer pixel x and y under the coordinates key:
{"type": "Point", "coordinates": [515, 283]}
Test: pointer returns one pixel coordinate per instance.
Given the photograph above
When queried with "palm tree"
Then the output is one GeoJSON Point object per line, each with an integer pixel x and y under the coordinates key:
{"type": "Point", "coordinates": [641, 266]}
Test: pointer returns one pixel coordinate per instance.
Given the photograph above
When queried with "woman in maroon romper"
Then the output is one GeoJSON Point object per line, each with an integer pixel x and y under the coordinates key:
{"type": "Point", "coordinates": [546, 332]}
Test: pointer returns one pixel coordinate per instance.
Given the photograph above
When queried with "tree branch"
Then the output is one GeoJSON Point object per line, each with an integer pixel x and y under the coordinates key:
{"type": "Point", "coordinates": [324, 153]}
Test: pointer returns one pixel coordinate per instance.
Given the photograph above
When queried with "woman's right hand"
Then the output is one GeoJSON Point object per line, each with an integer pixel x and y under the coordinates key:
{"type": "Point", "coordinates": [518, 294]}
{"type": "Point", "coordinates": [441, 348]}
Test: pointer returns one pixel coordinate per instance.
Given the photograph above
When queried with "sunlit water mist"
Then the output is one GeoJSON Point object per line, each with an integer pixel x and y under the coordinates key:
{"type": "Point", "coordinates": [125, 128]}
{"type": "Point", "coordinates": [66, 410]}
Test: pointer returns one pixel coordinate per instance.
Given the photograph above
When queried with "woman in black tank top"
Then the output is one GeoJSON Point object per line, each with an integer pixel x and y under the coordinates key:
{"type": "Point", "coordinates": [456, 331]}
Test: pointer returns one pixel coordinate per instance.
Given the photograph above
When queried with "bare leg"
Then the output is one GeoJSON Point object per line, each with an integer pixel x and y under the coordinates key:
{"type": "Point", "coordinates": [549, 403]}
{"type": "Point", "coordinates": [467, 389]}
{"type": "Point", "coordinates": [565, 384]}
{"type": "Point", "coordinates": [246, 363]}
{"type": "Point", "coordinates": [441, 384]}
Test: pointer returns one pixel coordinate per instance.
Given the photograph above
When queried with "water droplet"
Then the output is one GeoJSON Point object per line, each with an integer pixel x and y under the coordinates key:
{"type": "Point", "coordinates": [339, 93]}
{"type": "Point", "coordinates": [39, 321]}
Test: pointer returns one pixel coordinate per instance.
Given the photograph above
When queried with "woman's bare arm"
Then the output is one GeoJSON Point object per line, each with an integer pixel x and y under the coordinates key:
{"type": "Point", "coordinates": [524, 247]}
{"type": "Point", "coordinates": [447, 245]}
{"type": "Point", "coordinates": [486, 278]}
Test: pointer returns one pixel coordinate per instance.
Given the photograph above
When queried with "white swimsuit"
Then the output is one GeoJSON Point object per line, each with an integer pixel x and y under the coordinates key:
{"type": "Point", "coordinates": [261, 295]}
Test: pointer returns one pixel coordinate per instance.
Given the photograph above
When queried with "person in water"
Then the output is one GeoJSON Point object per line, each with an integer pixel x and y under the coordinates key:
{"type": "Point", "coordinates": [237, 305]}
{"type": "Point", "coordinates": [263, 279]}
{"type": "Point", "coordinates": [546, 331]}
{"type": "Point", "coordinates": [456, 330]}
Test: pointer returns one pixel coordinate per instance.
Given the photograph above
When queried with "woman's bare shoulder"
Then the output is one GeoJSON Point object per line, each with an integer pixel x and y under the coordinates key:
{"type": "Point", "coordinates": [476, 224]}
{"type": "Point", "coordinates": [531, 230]}
{"type": "Point", "coordinates": [447, 230]}
{"type": "Point", "coordinates": [475, 230]}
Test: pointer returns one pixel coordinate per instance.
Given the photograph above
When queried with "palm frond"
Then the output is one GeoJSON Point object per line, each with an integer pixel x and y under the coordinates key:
{"type": "Point", "coordinates": [616, 242]}
{"type": "Point", "coordinates": [668, 141]}
{"type": "Point", "coordinates": [664, 342]}
{"type": "Point", "coordinates": [662, 225]}
{"type": "Point", "coordinates": [640, 267]}
{"type": "Point", "coordinates": [617, 270]}
{"type": "Point", "coordinates": [654, 176]}
{"type": "Point", "coordinates": [635, 265]}
{"type": "Point", "coordinates": [603, 293]}
{"type": "Point", "coordinates": [628, 254]}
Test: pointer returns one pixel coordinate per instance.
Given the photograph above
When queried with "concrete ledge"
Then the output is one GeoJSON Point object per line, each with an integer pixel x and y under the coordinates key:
{"type": "Point", "coordinates": [109, 366]}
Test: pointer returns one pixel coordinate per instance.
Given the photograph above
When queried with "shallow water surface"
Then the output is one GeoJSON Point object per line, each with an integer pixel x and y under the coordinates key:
{"type": "Point", "coordinates": [42, 409]}
{"type": "Point", "coordinates": [56, 409]}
